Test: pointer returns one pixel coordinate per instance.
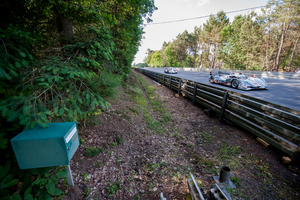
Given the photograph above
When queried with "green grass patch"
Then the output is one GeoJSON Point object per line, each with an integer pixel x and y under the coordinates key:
{"type": "Point", "coordinates": [227, 151]}
{"type": "Point", "coordinates": [113, 188]}
{"type": "Point", "coordinates": [206, 137]}
{"type": "Point", "coordinates": [92, 151]}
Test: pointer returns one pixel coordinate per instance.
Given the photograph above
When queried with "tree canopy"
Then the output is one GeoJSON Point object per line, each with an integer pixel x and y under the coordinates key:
{"type": "Point", "coordinates": [268, 41]}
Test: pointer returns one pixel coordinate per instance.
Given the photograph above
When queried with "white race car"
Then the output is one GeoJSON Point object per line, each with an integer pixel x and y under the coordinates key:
{"type": "Point", "coordinates": [238, 80]}
{"type": "Point", "coordinates": [171, 70]}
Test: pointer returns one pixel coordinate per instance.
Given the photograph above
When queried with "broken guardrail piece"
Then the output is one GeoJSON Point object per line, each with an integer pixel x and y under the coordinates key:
{"type": "Point", "coordinates": [219, 192]}
{"type": "Point", "coordinates": [194, 189]}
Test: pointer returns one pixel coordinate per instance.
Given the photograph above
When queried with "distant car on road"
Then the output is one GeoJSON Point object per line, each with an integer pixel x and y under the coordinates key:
{"type": "Point", "coordinates": [171, 70]}
{"type": "Point", "coordinates": [238, 80]}
{"type": "Point", "coordinates": [298, 71]}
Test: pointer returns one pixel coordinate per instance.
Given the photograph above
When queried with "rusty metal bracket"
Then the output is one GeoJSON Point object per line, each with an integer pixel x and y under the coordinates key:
{"type": "Point", "coordinates": [195, 92]}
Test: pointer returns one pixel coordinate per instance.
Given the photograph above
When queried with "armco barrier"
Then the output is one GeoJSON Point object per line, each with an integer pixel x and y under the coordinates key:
{"type": "Point", "coordinates": [277, 125]}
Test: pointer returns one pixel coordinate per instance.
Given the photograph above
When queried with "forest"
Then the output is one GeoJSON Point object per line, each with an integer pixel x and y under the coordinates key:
{"type": "Point", "coordinates": [59, 62]}
{"type": "Point", "coordinates": [264, 42]}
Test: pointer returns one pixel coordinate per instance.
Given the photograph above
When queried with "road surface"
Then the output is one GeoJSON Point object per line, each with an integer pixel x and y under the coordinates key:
{"type": "Point", "coordinates": [283, 92]}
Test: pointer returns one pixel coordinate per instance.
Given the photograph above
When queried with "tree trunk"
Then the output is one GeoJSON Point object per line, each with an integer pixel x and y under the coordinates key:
{"type": "Point", "coordinates": [284, 29]}
{"type": "Point", "coordinates": [65, 29]}
{"type": "Point", "coordinates": [291, 59]}
{"type": "Point", "coordinates": [214, 58]}
{"type": "Point", "coordinates": [195, 56]}
{"type": "Point", "coordinates": [267, 51]}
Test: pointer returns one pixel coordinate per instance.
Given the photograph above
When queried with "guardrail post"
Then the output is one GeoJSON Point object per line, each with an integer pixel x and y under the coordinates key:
{"type": "Point", "coordinates": [179, 88]}
{"type": "Point", "coordinates": [223, 106]}
{"type": "Point", "coordinates": [163, 83]}
{"type": "Point", "coordinates": [170, 83]}
{"type": "Point", "coordinates": [195, 92]}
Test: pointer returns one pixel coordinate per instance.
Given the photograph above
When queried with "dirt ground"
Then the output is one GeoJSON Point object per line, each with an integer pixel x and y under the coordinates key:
{"type": "Point", "coordinates": [150, 140]}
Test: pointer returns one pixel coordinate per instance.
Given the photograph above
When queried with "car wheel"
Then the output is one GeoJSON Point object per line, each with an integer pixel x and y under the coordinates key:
{"type": "Point", "coordinates": [234, 83]}
{"type": "Point", "coordinates": [211, 79]}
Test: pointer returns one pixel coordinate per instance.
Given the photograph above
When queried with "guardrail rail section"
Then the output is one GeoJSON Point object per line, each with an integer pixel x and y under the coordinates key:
{"type": "Point", "coordinates": [277, 125]}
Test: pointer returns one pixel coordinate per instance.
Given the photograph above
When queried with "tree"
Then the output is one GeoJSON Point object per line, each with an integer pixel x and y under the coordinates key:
{"type": "Point", "coordinates": [212, 29]}
{"type": "Point", "coordinates": [180, 45]}
{"type": "Point", "coordinates": [285, 13]}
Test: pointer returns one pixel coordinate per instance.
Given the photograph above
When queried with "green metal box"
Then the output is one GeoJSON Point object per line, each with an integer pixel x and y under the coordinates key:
{"type": "Point", "coordinates": [46, 147]}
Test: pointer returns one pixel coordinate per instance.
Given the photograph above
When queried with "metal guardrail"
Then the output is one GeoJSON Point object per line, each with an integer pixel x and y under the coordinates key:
{"type": "Point", "coordinates": [277, 125]}
{"type": "Point", "coordinates": [268, 74]}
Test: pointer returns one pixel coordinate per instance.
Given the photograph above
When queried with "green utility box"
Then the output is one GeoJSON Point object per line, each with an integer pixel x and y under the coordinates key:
{"type": "Point", "coordinates": [46, 147]}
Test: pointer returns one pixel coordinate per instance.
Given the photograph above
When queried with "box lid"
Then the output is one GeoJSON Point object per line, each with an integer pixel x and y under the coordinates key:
{"type": "Point", "coordinates": [55, 130]}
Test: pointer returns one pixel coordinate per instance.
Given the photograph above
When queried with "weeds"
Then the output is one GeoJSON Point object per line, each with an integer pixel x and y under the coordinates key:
{"type": "Point", "coordinates": [113, 188]}
{"type": "Point", "coordinates": [87, 192]}
{"type": "Point", "coordinates": [227, 152]}
{"type": "Point", "coordinates": [92, 151]}
{"type": "Point", "coordinates": [236, 181]}
{"type": "Point", "coordinates": [206, 137]}
{"type": "Point", "coordinates": [119, 140]}
{"type": "Point", "coordinates": [85, 177]}
{"type": "Point", "coordinates": [113, 144]}
{"type": "Point", "coordinates": [118, 159]}
{"type": "Point", "coordinates": [98, 164]}
{"type": "Point", "coordinates": [131, 176]}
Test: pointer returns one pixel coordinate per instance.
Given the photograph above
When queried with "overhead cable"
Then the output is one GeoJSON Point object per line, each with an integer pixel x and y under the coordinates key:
{"type": "Point", "coordinates": [181, 20]}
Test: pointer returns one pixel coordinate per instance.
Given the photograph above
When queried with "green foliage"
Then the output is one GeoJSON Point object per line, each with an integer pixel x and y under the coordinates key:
{"type": "Point", "coordinates": [3, 141]}
{"type": "Point", "coordinates": [92, 151]}
{"type": "Point", "coordinates": [53, 71]}
{"type": "Point", "coordinates": [227, 151]}
{"type": "Point", "coordinates": [6, 180]}
{"type": "Point", "coordinates": [113, 188]}
{"type": "Point", "coordinates": [119, 140]}
{"type": "Point", "coordinates": [37, 183]}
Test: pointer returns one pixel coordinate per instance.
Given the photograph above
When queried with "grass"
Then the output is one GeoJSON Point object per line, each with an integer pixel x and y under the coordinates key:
{"type": "Point", "coordinates": [236, 181]}
{"type": "Point", "coordinates": [209, 164]}
{"type": "Point", "coordinates": [206, 137]}
{"type": "Point", "coordinates": [87, 192]}
{"type": "Point", "coordinates": [228, 154]}
{"type": "Point", "coordinates": [113, 188]}
{"type": "Point", "coordinates": [98, 164]}
{"type": "Point", "coordinates": [92, 151]}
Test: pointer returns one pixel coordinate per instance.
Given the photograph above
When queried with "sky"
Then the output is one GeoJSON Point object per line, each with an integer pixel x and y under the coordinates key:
{"type": "Point", "coordinates": [170, 10]}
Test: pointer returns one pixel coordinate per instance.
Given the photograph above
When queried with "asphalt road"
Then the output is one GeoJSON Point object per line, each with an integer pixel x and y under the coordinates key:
{"type": "Point", "coordinates": [283, 92]}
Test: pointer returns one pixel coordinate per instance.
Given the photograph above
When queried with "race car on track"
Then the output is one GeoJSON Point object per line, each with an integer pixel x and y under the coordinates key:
{"type": "Point", "coordinates": [171, 70]}
{"type": "Point", "coordinates": [238, 80]}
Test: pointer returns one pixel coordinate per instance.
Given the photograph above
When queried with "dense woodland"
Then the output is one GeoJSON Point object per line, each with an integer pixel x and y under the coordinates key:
{"type": "Point", "coordinates": [59, 61]}
{"type": "Point", "coordinates": [269, 41]}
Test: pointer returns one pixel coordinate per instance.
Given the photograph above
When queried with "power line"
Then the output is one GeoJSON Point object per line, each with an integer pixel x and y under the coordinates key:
{"type": "Point", "coordinates": [181, 20]}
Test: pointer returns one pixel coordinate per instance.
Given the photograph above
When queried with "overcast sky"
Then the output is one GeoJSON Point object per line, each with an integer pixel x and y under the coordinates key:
{"type": "Point", "coordinates": [170, 10]}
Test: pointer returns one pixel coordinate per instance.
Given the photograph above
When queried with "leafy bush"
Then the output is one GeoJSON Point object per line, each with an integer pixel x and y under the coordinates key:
{"type": "Point", "coordinates": [42, 186]}
{"type": "Point", "coordinates": [6, 181]}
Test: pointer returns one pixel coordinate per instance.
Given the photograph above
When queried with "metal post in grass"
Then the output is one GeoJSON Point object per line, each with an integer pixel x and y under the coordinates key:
{"type": "Point", "coordinates": [179, 88]}
{"type": "Point", "coordinates": [195, 92]}
{"type": "Point", "coordinates": [223, 106]}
